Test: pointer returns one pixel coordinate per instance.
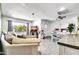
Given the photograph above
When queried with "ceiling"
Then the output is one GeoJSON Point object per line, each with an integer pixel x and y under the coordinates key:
{"type": "Point", "coordinates": [40, 10]}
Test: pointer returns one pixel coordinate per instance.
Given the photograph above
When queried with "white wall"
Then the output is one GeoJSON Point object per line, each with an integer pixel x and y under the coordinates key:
{"type": "Point", "coordinates": [37, 22]}
{"type": "Point", "coordinates": [4, 24]}
{"type": "Point", "coordinates": [63, 23]}
{"type": "Point", "coordinates": [0, 19]}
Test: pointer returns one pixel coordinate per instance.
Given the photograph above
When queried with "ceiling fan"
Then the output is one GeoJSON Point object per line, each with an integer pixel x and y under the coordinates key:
{"type": "Point", "coordinates": [62, 13]}
{"type": "Point", "coordinates": [61, 17]}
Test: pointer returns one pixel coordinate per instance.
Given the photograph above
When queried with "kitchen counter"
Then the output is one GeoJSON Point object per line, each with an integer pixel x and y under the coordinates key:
{"type": "Point", "coordinates": [69, 44]}
{"type": "Point", "coordinates": [70, 40]}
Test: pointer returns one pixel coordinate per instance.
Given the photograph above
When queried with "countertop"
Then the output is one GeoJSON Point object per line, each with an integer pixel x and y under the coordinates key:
{"type": "Point", "coordinates": [70, 40]}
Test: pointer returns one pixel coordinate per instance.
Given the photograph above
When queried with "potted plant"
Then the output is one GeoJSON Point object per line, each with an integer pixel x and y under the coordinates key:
{"type": "Point", "coordinates": [71, 27]}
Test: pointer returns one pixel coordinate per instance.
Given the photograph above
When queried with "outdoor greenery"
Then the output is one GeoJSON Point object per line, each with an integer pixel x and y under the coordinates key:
{"type": "Point", "coordinates": [71, 27]}
{"type": "Point", "coordinates": [19, 28]}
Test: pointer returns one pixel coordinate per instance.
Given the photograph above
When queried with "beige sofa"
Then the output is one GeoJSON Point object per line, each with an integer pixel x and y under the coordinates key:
{"type": "Point", "coordinates": [26, 48]}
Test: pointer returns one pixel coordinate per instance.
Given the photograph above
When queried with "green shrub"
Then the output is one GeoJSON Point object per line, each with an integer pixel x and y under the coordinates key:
{"type": "Point", "coordinates": [19, 28]}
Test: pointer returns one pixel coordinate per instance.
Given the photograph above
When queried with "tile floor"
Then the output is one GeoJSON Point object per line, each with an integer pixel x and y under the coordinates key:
{"type": "Point", "coordinates": [49, 47]}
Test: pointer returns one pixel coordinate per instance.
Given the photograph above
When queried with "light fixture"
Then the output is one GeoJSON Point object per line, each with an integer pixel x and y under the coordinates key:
{"type": "Point", "coordinates": [62, 9]}
{"type": "Point", "coordinates": [33, 14]}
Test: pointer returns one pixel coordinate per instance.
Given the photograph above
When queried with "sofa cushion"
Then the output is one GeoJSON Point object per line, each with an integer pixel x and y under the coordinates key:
{"type": "Point", "coordinates": [21, 36]}
{"type": "Point", "coordinates": [25, 41]}
{"type": "Point", "coordinates": [30, 36]}
{"type": "Point", "coordinates": [8, 38]}
{"type": "Point", "coordinates": [26, 36]}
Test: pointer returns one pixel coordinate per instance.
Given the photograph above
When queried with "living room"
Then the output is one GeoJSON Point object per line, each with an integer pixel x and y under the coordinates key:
{"type": "Point", "coordinates": [34, 29]}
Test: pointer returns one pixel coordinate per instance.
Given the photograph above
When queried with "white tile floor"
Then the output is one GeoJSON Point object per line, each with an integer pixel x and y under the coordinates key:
{"type": "Point", "coordinates": [49, 47]}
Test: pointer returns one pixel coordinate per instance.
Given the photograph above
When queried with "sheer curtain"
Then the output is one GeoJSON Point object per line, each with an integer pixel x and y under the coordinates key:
{"type": "Point", "coordinates": [27, 28]}
{"type": "Point", "coordinates": [9, 25]}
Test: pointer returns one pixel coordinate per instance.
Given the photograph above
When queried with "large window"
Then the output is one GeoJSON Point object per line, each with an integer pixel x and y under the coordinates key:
{"type": "Point", "coordinates": [19, 27]}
